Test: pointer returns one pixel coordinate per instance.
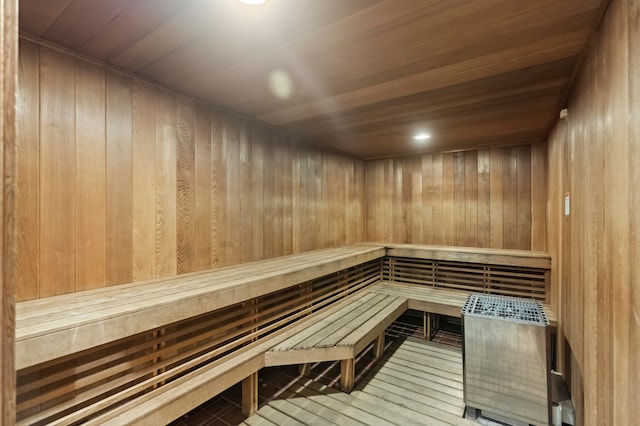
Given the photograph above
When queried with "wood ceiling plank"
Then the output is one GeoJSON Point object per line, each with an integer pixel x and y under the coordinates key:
{"type": "Point", "coordinates": [81, 20]}
{"type": "Point", "coordinates": [412, 122]}
{"type": "Point", "coordinates": [508, 60]}
{"type": "Point", "coordinates": [511, 123]}
{"type": "Point", "coordinates": [423, 105]}
{"type": "Point", "coordinates": [478, 115]}
{"type": "Point", "coordinates": [425, 57]}
{"type": "Point", "coordinates": [335, 33]}
{"type": "Point", "coordinates": [172, 34]}
{"type": "Point", "coordinates": [37, 16]}
{"type": "Point", "coordinates": [409, 45]}
{"type": "Point", "coordinates": [135, 22]}
{"type": "Point", "coordinates": [237, 36]}
{"type": "Point", "coordinates": [365, 73]}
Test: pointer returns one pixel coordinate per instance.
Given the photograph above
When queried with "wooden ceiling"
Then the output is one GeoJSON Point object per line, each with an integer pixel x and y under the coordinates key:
{"type": "Point", "coordinates": [361, 76]}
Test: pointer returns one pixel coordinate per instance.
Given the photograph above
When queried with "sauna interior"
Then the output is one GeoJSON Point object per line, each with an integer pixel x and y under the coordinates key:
{"type": "Point", "coordinates": [198, 193]}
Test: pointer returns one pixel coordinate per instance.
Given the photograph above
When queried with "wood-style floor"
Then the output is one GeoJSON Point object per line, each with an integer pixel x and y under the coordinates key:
{"type": "Point", "coordinates": [416, 382]}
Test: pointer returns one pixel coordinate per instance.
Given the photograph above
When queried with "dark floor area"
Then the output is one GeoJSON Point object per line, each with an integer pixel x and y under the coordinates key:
{"type": "Point", "coordinates": [225, 409]}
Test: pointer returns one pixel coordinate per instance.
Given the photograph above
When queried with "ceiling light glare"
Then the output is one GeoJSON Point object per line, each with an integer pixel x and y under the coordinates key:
{"type": "Point", "coordinates": [253, 2]}
{"type": "Point", "coordinates": [421, 136]}
{"type": "Point", "coordinates": [280, 84]}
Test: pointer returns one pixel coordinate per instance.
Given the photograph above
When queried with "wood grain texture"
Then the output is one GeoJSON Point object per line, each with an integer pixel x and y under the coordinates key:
{"type": "Point", "coordinates": [57, 157]}
{"type": "Point", "coordinates": [593, 157]}
{"type": "Point", "coordinates": [203, 192]}
{"type": "Point", "coordinates": [118, 180]}
{"type": "Point", "coordinates": [449, 65]}
{"type": "Point", "coordinates": [539, 174]}
{"type": "Point", "coordinates": [8, 171]}
{"type": "Point", "coordinates": [90, 166]}
{"type": "Point", "coordinates": [454, 199]}
{"type": "Point", "coordinates": [185, 181]}
{"type": "Point", "coordinates": [158, 184]}
{"type": "Point", "coordinates": [166, 185]}
{"type": "Point", "coordinates": [144, 174]}
{"type": "Point", "coordinates": [28, 172]}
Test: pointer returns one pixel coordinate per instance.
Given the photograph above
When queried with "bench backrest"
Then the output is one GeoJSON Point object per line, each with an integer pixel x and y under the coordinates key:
{"type": "Point", "coordinates": [503, 272]}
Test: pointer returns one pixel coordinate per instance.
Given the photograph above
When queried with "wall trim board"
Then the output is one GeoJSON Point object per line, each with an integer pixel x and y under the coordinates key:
{"type": "Point", "coordinates": [9, 80]}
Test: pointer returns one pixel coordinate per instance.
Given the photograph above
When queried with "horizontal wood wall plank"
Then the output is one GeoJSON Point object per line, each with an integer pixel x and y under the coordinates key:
{"type": "Point", "coordinates": [121, 180]}
{"type": "Point", "coordinates": [480, 198]}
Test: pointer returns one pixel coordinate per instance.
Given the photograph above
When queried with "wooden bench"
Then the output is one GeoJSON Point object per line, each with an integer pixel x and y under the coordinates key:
{"type": "Point", "coordinates": [156, 349]}
{"type": "Point", "coordinates": [145, 353]}
{"type": "Point", "coordinates": [434, 300]}
{"type": "Point", "coordinates": [342, 335]}
{"type": "Point", "coordinates": [438, 280]}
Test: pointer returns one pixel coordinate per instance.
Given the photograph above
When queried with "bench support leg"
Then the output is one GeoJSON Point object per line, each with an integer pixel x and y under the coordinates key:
{"type": "Point", "coordinates": [250, 394]}
{"type": "Point", "coordinates": [304, 369]}
{"type": "Point", "coordinates": [347, 374]}
{"type": "Point", "coordinates": [378, 346]}
{"type": "Point", "coordinates": [427, 325]}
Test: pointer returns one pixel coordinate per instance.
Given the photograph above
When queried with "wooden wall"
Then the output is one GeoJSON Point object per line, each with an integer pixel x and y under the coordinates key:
{"type": "Point", "coordinates": [8, 81]}
{"type": "Point", "coordinates": [485, 198]}
{"type": "Point", "coordinates": [595, 157]}
{"type": "Point", "coordinates": [120, 180]}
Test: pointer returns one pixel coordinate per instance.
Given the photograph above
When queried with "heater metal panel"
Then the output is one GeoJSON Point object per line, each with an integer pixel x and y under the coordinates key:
{"type": "Point", "coordinates": [506, 355]}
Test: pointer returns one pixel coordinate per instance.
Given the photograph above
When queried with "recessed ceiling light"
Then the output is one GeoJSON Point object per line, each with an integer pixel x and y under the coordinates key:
{"type": "Point", "coordinates": [423, 136]}
{"type": "Point", "coordinates": [253, 2]}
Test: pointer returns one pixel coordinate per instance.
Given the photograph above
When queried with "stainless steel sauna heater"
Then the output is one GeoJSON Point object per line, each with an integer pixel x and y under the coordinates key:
{"type": "Point", "coordinates": [506, 358]}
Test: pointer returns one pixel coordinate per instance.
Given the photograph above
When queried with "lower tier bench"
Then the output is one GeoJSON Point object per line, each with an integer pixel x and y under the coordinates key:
{"type": "Point", "coordinates": [434, 300]}
{"type": "Point", "coordinates": [342, 335]}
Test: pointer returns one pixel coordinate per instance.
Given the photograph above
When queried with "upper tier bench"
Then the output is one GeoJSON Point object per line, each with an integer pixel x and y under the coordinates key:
{"type": "Point", "coordinates": [148, 352]}
{"type": "Point", "coordinates": [56, 326]}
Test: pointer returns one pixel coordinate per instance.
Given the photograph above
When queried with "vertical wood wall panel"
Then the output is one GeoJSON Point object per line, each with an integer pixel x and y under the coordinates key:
{"type": "Point", "coordinates": [203, 193]}
{"type": "Point", "coordinates": [484, 198]}
{"type": "Point", "coordinates": [437, 208]}
{"type": "Point", "coordinates": [627, 319]}
{"type": "Point", "coordinates": [257, 189]}
{"type": "Point", "coordinates": [90, 201]}
{"type": "Point", "coordinates": [28, 173]}
{"type": "Point", "coordinates": [185, 179]}
{"type": "Point", "coordinates": [119, 171]}
{"type": "Point", "coordinates": [539, 174]}
{"type": "Point", "coordinates": [166, 185]}
{"type": "Point", "coordinates": [121, 180]}
{"type": "Point", "coordinates": [496, 198]}
{"type": "Point", "coordinates": [232, 203]}
{"type": "Point", "coordinates": [510, 198]}
{"type": "Point", "coordinates": [471, 198]}
{"type": "Point", "coordinates": [593, 157]}
{"type": "Point", "coordinates": [219, 191]}
{"type": "Point", "coordinates": [144, 184]}
{"type": "Point", "coordinates": [57, 156]}
{"type": "Point", "coordinates": [246, 198]}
